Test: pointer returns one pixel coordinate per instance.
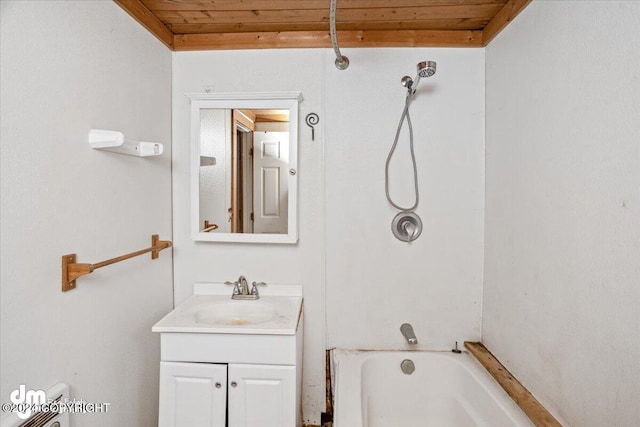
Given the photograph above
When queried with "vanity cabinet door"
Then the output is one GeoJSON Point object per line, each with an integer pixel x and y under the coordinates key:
{"type": "Point", "coordinates": [192, 394]}
{"type": "Point", "coordinates": [262, 396]}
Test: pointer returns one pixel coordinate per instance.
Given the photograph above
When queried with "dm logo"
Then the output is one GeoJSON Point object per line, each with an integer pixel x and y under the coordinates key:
{"type": "Point", "coordinates": [26, 400]}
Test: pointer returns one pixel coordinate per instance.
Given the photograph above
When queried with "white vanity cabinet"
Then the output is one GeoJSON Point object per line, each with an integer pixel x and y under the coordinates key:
{"type": "Point", "coordinates": [262, 395]}
{"type": "Point", "coordinates": [198, 395]}
{"type": "Point", "coordinates": [192, 394]}
{"type": "Point", "coordinates": [238, 373]}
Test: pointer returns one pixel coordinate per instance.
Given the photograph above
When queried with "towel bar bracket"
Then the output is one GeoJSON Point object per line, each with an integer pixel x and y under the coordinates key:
{"type": "Point", "coordinates": [71, 270]}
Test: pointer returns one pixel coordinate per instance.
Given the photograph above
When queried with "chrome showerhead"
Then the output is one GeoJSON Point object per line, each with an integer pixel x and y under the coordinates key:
{"type": "Point", "coordinates": [426, 68]}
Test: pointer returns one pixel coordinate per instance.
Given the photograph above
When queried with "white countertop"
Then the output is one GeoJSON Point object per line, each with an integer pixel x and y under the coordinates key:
{"type": "Point", "coordinates": [285, 300]}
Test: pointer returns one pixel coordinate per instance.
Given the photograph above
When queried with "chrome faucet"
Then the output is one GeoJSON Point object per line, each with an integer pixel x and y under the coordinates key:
{"type": "Point", "coordinates": [241, 289]}
{"type": "Point", "coordinates": [409, 335]}
{"type": "Point", "coordinates": [244, 286]}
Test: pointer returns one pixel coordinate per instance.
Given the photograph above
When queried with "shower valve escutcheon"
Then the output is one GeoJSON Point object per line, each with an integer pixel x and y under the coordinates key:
{"type": "Point", "coordinates": [406, 226]}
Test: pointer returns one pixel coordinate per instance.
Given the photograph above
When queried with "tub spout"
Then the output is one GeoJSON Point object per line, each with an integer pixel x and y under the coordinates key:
{"type": "Point", "coordinates": [409, 335]}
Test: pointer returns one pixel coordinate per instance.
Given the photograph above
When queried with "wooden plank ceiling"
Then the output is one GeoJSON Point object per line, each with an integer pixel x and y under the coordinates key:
{"type": "Point", "coordinates": [264, 24]}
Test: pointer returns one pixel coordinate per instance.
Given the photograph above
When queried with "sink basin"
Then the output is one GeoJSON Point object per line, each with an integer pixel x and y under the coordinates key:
{"type": "Point", "coordinates": [210, 310]}
{"type": "Point", "coordinates": [235, 313]}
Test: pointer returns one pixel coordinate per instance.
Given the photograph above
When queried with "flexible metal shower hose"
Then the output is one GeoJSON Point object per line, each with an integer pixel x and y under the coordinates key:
{"type": "Point", "coordinates": [405, 115]}
{"type": "Point", "coordinates": [334, 37]}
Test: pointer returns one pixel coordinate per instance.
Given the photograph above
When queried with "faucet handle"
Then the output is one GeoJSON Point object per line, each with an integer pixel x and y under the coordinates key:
{"type": "Point", "coordinates": [236, 287]}
{"type": "Point", "coordinates": [254, 287]}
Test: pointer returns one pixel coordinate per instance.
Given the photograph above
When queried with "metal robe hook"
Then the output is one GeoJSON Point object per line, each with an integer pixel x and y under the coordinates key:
{"type": "Point", "coordinates": [312, 119]}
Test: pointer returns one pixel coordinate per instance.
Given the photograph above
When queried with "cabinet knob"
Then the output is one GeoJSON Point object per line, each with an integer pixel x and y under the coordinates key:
{"type": "Point", "coordinates": [234, 384]}
{"type": "Point", "coordinates": [218, 385]}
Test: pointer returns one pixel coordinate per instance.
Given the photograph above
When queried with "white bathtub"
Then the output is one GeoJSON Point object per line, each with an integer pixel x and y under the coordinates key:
{"type": "Point", "coordinates": [445, 390]}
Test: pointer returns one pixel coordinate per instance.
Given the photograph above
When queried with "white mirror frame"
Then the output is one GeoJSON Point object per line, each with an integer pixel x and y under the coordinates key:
{"type": "Point", "coordinates": [263, 100]}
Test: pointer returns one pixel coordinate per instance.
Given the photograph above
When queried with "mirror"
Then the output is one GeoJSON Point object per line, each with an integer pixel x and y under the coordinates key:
{"type": "Point", "coordinates": [244, 167]}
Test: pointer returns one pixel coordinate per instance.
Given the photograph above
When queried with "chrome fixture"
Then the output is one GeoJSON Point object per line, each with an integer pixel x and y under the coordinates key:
{"type": "Point", "coordinates": [409, 335]}
{"type": "Point", "coordinates": [456, 350]}
{"type": "Point", "coordinates": [241, 289]}
{"type": "Point", "coordinates": [312, 119]}
{"type": "Point", "coordinates": [410, 226]}
{"type": "Point", "coordinates": [407, 366]}
{"type": "Point", "coordinates": [406, 226]}
{"type": "Point", "coordinates": [342, 62]}
{"type": "Point", "coordinates": [425, 69]}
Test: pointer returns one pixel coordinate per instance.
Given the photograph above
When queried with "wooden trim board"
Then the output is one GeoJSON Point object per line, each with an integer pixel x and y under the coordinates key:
{"type": "Point", "coordinates": [525, 400]}
{"type": "Point", "coordinates": [147, 19]}
{"type": "Point", "coordinates": [502, 19]}
{"type": "Point", "coordinates": [322, 39]}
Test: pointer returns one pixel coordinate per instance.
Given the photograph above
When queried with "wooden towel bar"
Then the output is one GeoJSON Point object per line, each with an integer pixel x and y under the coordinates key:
{"type": "Point", "coordinates": [72, 270]}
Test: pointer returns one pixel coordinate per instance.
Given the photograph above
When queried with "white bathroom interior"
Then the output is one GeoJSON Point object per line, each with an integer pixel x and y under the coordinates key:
{"type": "Point", "coordinates": [528, 154]}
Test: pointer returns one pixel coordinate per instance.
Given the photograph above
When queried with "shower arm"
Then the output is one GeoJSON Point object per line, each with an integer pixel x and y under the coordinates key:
{"type": "Point", "coordinates": [342, 62]}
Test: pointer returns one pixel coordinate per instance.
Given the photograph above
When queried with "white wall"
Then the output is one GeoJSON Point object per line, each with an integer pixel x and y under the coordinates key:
{"type": "Point", "coordinates": [67, 67]}
{"type": "Point", "coordinates": [303, 263]}
{"type": "Point", "coordinates": [374, 281]}
{"type": "Point", "coordinates": [562, 261]}
{"type": "Point", "coordinates": [215, 180]}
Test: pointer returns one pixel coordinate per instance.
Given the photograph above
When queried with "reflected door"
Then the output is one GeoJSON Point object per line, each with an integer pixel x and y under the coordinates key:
{"type": "Point", "coordinates": [270, 161]}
